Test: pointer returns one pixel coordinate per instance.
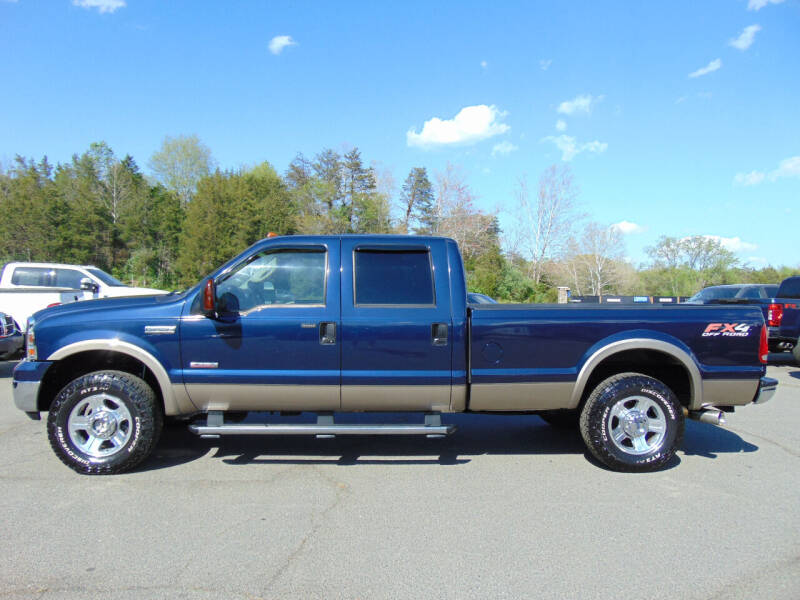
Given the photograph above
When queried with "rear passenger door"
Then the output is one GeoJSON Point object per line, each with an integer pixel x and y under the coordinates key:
{"type": "Point", "coordinates": [396, 326]}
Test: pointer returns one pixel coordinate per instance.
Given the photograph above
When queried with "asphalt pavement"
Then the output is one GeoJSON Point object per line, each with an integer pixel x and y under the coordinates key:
{"type": "Point", "coordinates": [507, 507]}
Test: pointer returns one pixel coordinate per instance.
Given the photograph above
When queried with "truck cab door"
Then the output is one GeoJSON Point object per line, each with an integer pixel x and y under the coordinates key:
{"type": "Point", "coordinates": [396, 326]}
{"type": "Point", "coordinates": [275, 342]}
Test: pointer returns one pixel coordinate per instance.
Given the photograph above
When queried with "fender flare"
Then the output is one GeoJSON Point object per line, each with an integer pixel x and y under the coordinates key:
{"type": "Point", "coordinates": [695, 379]}
{"type": "Point", "coordinates": [171, 405]}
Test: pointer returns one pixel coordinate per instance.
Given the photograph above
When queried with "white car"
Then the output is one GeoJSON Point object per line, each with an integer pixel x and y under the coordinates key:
{"type": "Point", "coordinates": [27, 287]}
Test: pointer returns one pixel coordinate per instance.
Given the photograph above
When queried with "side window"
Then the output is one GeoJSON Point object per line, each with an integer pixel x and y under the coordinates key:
{"type": "Point", "coordinates": [393, 277]}
{"type": "Point", "coordinates": [32, 276]}
{"type": "Point", "coordinates": [279, 278]}
{"type": "Point", "coordinates": [69, 278]}
{"type": "Point", "coordinates": [749, 293]}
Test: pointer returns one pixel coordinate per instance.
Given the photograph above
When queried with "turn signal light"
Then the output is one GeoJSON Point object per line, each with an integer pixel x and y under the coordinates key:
{"type": "Point", "coordinates": [775, 315]}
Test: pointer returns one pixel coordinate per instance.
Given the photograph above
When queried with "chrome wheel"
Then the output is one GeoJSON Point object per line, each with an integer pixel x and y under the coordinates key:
{"type": "Point", "coordinates": [637, 425]}
{"type": "Point", "coordinates": [100, 425]}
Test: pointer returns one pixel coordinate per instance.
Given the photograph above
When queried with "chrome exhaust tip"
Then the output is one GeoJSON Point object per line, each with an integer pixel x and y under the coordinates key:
{"type": "Point", "coordinates": [712, 416]}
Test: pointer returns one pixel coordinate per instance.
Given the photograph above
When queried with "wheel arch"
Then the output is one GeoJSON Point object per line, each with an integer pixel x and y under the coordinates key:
{"type": "Point", "coordinates": [85, 356]}
{"type": "Point", "coordinates": [657, 358]}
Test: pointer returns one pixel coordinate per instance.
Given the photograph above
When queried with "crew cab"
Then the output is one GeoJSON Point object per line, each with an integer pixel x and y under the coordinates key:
{"type": "Point", "coordinates": [26, 287]}
{"type": "Point", "coordinates": [335, 324]}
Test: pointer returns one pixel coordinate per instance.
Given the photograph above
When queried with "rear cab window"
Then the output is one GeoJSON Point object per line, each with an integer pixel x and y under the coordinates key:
{"type": "Point", "coordinates": [393, 277]}
{"type": "Point", "coordinates": [33, 276]}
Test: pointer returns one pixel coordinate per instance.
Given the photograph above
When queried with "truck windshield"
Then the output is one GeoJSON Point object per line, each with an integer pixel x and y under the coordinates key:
{"type": "Point", "coordinates": [106, 278]}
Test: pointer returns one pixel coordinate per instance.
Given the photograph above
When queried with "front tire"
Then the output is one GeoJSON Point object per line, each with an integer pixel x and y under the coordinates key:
{"type": "Point", "coordinates": [632, 422]}
{"type": "Point", "coordinates": [104, 422]}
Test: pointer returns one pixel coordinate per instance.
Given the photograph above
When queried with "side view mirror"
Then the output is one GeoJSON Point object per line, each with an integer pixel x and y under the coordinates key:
{"type": "Point", "coordinates": [88, 285]}
{"type": "Point", "coordinates": [210, 299]}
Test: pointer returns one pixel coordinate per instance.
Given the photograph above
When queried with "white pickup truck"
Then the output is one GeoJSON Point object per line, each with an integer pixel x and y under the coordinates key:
{"type": "Point", "coordinates": [27, 287]}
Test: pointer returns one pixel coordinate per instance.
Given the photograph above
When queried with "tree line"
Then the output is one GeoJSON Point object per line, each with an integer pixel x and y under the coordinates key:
{"type": "Point", "coordinates": [170, 229]}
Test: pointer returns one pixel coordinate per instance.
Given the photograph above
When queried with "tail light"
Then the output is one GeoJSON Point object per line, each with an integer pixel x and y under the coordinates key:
{"type": "Point", "coordinates": [775, 315]}
{"type": "Point", "coordinates": [54, 304]}
{"type": "Point", "coordinates": [763, 346]}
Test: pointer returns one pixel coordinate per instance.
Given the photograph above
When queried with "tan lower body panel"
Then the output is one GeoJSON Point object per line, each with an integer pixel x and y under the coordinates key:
{"type": "Point", "coordinates": [728, 392]}
{"type": "Point", "coordinates": [263, 397]}
{"type": "Point", "coordinates": [183, 404]}
{"type": "Point", "coordinates": [458, 398]}
{"type": "Point", "coordinates": [520, 396]}
{"type": "Point", "coordinates": [435, 398]}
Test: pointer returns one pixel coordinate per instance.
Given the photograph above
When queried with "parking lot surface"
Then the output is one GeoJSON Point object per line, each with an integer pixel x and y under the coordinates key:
{"type": "Point", "coordinates": [507, 507]}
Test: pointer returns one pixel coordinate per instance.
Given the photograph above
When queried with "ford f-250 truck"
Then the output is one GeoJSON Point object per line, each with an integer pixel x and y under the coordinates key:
{"type": "Point", "coordinates": [328, 324]}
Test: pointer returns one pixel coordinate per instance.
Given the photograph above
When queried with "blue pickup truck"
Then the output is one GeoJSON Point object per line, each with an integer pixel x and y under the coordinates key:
{"type": "Point", "coordinates": [332, 324]}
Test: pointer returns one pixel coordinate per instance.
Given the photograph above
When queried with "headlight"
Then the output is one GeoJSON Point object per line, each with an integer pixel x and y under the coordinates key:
{"type": "Point", "coordinates": [30, 341]}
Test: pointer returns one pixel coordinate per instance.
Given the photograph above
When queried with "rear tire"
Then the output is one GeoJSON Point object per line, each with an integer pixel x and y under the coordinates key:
{"type": "Point", "coordinates": [632, 422]}
{"type": "Point", "coordinates": [104, 422]}
{"type": "Point", "coordinates": [796, 352]}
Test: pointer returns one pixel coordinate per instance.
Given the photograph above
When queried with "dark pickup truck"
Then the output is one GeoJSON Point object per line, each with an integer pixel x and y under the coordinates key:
{"type": "Point", "coordinates": [780, 305]}
{"type": "Point", "coordinates": [328, 324]}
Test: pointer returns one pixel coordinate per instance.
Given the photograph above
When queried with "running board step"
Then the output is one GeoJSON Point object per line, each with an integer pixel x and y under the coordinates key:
{"type": "Point", "coordinates": [325, 427]}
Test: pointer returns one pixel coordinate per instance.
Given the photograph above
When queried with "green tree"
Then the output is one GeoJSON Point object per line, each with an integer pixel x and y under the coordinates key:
{"type": "Point", "coordinates": [180, 163]}
{"type": "Point", "coordinates": [684, 266]}
{"type": "Point", "coordinates": [231, 211]}
{"type": "Point", "coordinates": [417, 201]}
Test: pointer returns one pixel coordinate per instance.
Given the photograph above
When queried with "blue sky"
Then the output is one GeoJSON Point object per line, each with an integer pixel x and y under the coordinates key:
{"type": "Point", "coordinates": [677, 118]}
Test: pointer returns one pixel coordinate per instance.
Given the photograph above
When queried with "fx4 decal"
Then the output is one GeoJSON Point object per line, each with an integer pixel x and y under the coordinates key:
{"type": "Point", "coordinates": [727, 330]}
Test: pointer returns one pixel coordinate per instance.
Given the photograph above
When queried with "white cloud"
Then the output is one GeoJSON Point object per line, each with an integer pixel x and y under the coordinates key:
{"type": "Point", "coordinates": [561, 125]}
{"type": "Point", "coordinates": [709, 68]}
{"type": "Point", "coordinates": [734, 244]}
{"type": "Point", "coordinates": [759, 4]}
{"type": "Point", "coordinates": [681, 100]}
{"type": "Point", "coordinates": [751, 178]}
{"type": "Point", "coordinates": [472, 124]}
{"type": "Point", "coordinates": [580, 104]}
{"type": "Point", "coordinates": [570, 148]}
{"type": "Point", "coordinates": [102, 6]}
{"type": "Point", "coordinates": [545, 63]}
{"type": "Point", "coordinates": [627, 227]}
{"type": "Point", "coordinates": [746, 38]}
{"type": "Point", "coordinates": [787, 168]}
{"type": "Point", "coordinates": [503, 148]}
{"type": "Point", "coordinates": [484, 64]}
{"type": "Point", "coordinates": [279, 42]}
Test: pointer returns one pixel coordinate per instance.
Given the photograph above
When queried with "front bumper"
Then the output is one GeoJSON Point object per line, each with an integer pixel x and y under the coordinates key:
{"type": "Point", "coordinates": [26, 395]}
{"type": "Point", "coordinates": [766, 390]}
{"type": "Point", "coordinates": [28, 376]}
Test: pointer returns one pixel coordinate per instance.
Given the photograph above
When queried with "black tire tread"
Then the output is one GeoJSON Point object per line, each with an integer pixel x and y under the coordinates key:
{"type": "Point", "coordinates": [150, 424]}
{"type": "Point", "coordinates": [591, 434]}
